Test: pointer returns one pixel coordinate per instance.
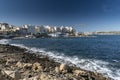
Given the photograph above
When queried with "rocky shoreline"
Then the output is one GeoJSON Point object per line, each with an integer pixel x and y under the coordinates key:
{"type": "Point", "coordinates": [18, 64]}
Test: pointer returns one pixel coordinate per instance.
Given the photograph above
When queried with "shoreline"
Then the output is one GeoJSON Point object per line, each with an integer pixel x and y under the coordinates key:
{"type": "Point", "coordinates": [27, 66]}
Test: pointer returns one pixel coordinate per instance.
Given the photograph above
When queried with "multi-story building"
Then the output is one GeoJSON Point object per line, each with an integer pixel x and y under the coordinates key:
{"type": "Point", "coordinates": [47, 29]}
{"type": "Point", "coordinates": [37, 29]}
{"type": "Point", "coordinates": [55, 29]}
{"type": "Point", "coordinates": [4, 26]}
{"type": "Point", "coordinates": [21, 31]}
{"type": "Point", "coordinates": [30, 29]}
{"type": "Point", "coordinates": [40, 29]}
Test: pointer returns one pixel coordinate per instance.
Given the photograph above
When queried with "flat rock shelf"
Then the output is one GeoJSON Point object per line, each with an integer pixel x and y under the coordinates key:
{"type": "Point", "coordinates": [18, 64]}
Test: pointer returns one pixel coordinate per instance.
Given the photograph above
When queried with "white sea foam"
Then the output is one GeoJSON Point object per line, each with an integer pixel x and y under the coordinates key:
{"type": "Point", "coordinates": [20, 45]}
{"type": "Point", "coordinates": [88, 64]}
{"type": "Point", "coordinates": [4, 41]}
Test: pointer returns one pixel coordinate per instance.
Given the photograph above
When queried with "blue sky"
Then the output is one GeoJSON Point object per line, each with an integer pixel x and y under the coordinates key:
{"type": "Point", "coordinates": [84, 15]}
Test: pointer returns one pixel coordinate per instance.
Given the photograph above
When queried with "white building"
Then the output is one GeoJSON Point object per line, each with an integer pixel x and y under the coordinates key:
{"type": "Point", "coordinates": [30, 29]}
{"type": "Point", "coordinates": [40, 29]}
{"type": "Point", "coordinates": [55, 29]}
{"type": "Point", "coordinates": [4, 26]}
{"type": "Point", "coordinates": [47, 29]}
{"type": "Point", "coordinates": [61, 28]}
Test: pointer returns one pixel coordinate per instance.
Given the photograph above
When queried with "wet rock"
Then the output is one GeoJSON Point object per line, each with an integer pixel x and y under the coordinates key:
{"type": "Point", "coordinates": [37, 67]}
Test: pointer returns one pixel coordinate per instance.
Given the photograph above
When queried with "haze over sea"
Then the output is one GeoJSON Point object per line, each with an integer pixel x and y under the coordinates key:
{"type": "Point", "coordinates": [100, 53]}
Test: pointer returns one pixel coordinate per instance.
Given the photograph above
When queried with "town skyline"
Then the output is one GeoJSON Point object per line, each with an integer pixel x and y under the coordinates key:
{"type": "Point", "coordinates": [21, 25]}
{"type": "Point", "coordinates": [84, 15]}
{"type": "Point", "coordinates": [36, 31]}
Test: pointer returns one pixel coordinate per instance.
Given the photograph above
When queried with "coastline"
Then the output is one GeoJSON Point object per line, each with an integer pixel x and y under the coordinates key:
{"type": "Point", "coordinates": [27, 66]}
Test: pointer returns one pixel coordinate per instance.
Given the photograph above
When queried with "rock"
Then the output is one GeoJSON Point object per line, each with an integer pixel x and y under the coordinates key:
{"type": "Point", "coordinates": [64, 68]}
{"type": "Point", "coordinates": [98, 76]}
{"type": "Point", "coordinates": [1, 49]}
{"type": "Point", "coordinates": [29, 76]}
{"type": "Point", "coordinates": [32, 78]}
{"type": "Point", "coordinates": [57, 70]}
{"type": "Point", "coordinates": [79, 72]}
{"type": "Point", "coordinates": [13, 74]}
{"type": "Point", "coordinates": [2, 61]}
{"type": "Point", "coordinates": [27, 65]}
{"type": "Point", "coordinates": [19, 64]}
{"type": "Point", "coordinates": [37, 67]}
{"type": "Point", "coordinates": [24, 65]}
{"type": "Point", "coordinates": [44, 77]}
{"type": "Point", "coordinates": [10, 61]}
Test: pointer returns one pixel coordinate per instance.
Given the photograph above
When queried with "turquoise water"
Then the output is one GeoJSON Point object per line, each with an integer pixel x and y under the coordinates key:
{"type": "Point", "coordinates": [100, 53]}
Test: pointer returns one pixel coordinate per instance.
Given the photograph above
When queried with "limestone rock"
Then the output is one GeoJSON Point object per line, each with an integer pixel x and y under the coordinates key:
{"type": "Point", "coordinates": [19, 64]}
{"type": "Point", "coordinates": [32, 78]}
{"type": "Point", "coordinates": [10, 61]}
{"type": "Point", "coordinates": [57, 69]}
{"type": "Point", "coordinates": [44, 77]}
{"type": "Point", "coordinates": [13, 74]}
{"type": "Point", "coordinates": [37, 67]}
{"type": "Point", "coordinates": [79, 72]}
{"type": "Point", "coordinates": [64, 68]}
{"type": "Point", "coordinates": [27, 65]}
{"type": "Point", "coordinates": [24, 65]}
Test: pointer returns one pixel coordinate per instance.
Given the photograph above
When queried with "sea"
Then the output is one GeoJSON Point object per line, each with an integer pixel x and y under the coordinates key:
{"type": "Point", "coordinates": [99, 54]}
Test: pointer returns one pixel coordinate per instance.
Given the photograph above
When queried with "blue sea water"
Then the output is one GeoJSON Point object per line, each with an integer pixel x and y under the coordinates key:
{"type": "Point", "coordinates": [99, 54]}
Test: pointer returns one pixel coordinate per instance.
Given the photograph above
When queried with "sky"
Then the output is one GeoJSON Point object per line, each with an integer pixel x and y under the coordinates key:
{"type": "Point", "coordinates": [83, 15]}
